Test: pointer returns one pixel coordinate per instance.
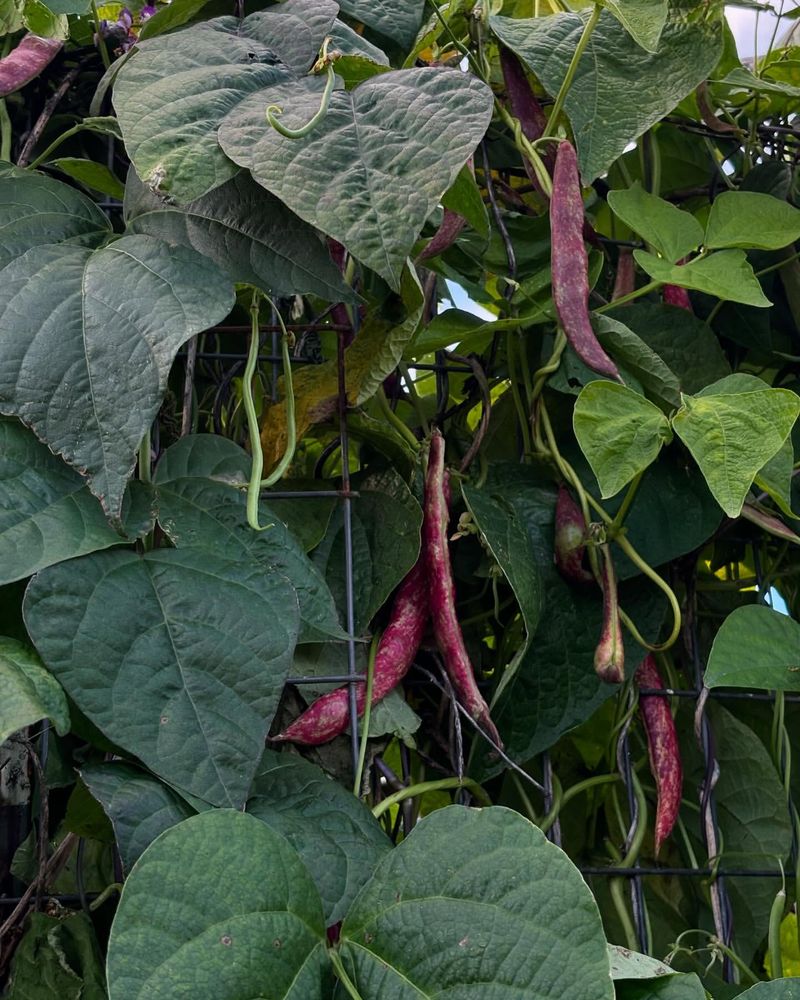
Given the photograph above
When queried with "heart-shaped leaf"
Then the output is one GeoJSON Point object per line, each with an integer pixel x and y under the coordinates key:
{"type": "Point", "coordinates": [88, 339]}
{"type": "Point", "coordinates": [250, 235]}
{"type": "Point", "coordinates": [756, 647]}
{"type": "Point", "coordinates": [619, 90]}
{"type": "Point", "coordinates": [397, 21]}
{"type": "Point", "coordinates": [30, 693]}
{"type": "Point", "coordinates": [35, 209]}
{"type": "Point", "coordinates": [644, 20]}
{"type": "Point", "coordinates": [619, 431]}
{"type": "Point", "coordinates": [447, 913]}
{"type": "Point", "coordinates": [378, 163]}
{"type": "Point", "coordinates": [732, 435]}
{"type": "Point", "coordinates": [196, 648]}
{"type": "Point", "coordinates": [751, 219]}
{"type": "Point", "coordinates": [672, 232]}
{"type": "Point", "coordinates": [193, 920]}
{"type": "Point", "coordinates": [727, 274]}
{"type": "Point", "coordinates": [48, 514]}
{"type": "Point", "coordinates": [334, 833]}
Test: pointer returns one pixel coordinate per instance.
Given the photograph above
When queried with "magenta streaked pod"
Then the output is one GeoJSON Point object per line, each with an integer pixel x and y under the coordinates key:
{"type": "Point", "coordinates": [609, 656]}
{"type": "Point", "coordinates": [570, 539]}
{"type": "Point", "coordinates": [26, 62]}
{"type": "Point", "coordinates": [769, 523]}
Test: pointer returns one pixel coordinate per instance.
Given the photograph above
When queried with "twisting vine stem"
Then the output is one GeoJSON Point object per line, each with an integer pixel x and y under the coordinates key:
{"type": "Point", "coordinates": [274, 110]}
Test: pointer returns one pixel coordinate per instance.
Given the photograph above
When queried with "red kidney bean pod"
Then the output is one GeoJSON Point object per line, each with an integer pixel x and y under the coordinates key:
{"type": "Point", "coordinates": [329, 715]}
{"type": "Point", "coordinates": [441, 591]}
{"type": "Point", "coordinates": [26, 62]}
{"type": "Point", "coordinates": [625, 281]}
{"type": "Point", "coordinates": [445, 236]}
{"type": "Point", "coordinates": [609, 656]}
{"type": "Point", "coordinates": [674, 295]}
{"type": "Point", "coordinates": [570, 264]}
{"type": "Point", "coordinates": [662, 744]}
{"type": "Point", "coordinates": [570, 539]}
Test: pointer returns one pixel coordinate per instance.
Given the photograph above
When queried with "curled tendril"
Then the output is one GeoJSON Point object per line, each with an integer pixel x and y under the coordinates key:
{"type": "Point", "coordinates": [274, 110]}
{"type": "Point", "coordinates": [256, 483]}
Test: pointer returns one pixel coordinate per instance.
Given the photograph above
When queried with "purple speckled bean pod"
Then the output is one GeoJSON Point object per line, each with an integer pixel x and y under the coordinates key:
{"type": "Point", "coordinates": [609, 656]}
{"type": "Point", "coordinates": [26, 62]}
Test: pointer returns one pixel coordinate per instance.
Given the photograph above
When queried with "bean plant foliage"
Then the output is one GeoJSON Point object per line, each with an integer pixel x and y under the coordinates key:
{"type": "Point", "coordinates": [452, 346]}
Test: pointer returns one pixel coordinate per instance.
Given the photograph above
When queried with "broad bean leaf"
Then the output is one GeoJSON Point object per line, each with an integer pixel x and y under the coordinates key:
{"type": "Point", "coordinates": [755, 647]}
{"type": "Point", "coordinates": [88, 339]}
{"type": "Point", "coordinates": [644, 20]}
{"type": "Point", "coordinates": [686, 344]}
{"type": "Point", "coordinates": [95, 176]}
{"type": "Point", "coordinates": [731, 435]}
{"type": "Point", "coordinates": [250, 235]}
{"type": "Point", "coordinates": [386, 522]}
{"type": "Point", "coordinates": [58, 956]}
{"type": "Point", "coordinates": [209, 516]}
{"type": "Point", "coordinates": [775, 477]}
{"type": "Point", "coordinates": [30, 693]}
{"type": "Point", "coordinates": [336, 836]}
{"type": "Point", "coordinates": [35, 209]}
{"type": "Point", "coordinates": [372, 171]}
{"type": "Point", "coordinates": [779, 989]}
{"type": "Point", "coordinates": [464, 197]}
{"type": "Point", "coordinates": [726, 274]}
{"type": "Point", "coordinates": [139, 806]}
{"type": "Point", "coordinates": [195, 647]}
{"type": "Point", "coordinates": [680, 986]}
{"type": "Point", "coordinates": [194, 921]}
{"type": "Point", "coordinates": [172, 93]}
{"type": "Point", "coordinates": [638, 359]}
{"type": "Point", "coordinates": [510, 542]}
{"type": "Point", "coordinates": [447, 914]}
{"type": "Point", "coordinates": [619, 90]}
{"type": "Point", "coordinates": [672, 232]}
{"type": "Point", "coordinates": [346, 40]}
{"type": "Point", "coordinates": [619, 431]}
{"type": "Point", "coordinates": [751, 219]}
{"type": "Point", "coordinates": [48, 514]}
{"type": "Point", "coordinates": [397, 20]}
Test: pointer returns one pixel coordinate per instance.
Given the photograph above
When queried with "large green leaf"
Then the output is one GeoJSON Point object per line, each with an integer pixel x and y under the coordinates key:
{"type": "Point", "coordinates": [727, 274]}
{"type": "Point", "coordinates": [398, 20]}
{"type": "Point", "coordinates": [386, 522]}
{"type": "Point", "coordinates": [250, 235]}
{"type": "Point", "coordinates": [619, 90]}
{"type": "Point", "coordinates": [210, 516]}
{"type": "Point", "coordinates": [58, 956]}
{"type": "Point", "coordinates": [35, 209]}
{"type": "Point", "coordinates": [672, 232]}
{"type": "Point", "coordinates": [172, 93]}
{"type": "Point", "coordinates": [755, 647]}
{"type": "Point", "coordinates": [377, 165]}
{"type": "Point", "coordinates": [88, 339]}
{"type": "Point", "coordinates": [139, 806]}
{"type": "Point", "coordinates": [220, 906]}
{"type": "Point", "coordinates": [673, 987]}
{"type": "Point", "coordinates": [196, 648]}
{"type": "Point", "coordinates": [751, 219]}
{"type": "Point", "coordinates": [30, 693]}
{"type": "Point", "coordinates": [779, 989]}
{"type": "Point", "coordinates": [644, 20]}
{"type": "Point", "coordinates": [448, 914]}
{"type": "Point", "coordinates": [48, 514]}
{"type": "Point", "coordinates": [619, 431]}
{"type": "Point", "coordinates": [636, 358]}
{"type": "Point", "coordinates": [731, 435]}
{"type": "Point", "coordinates": [509, 540]}
{"type": "Point", "coordinates": [334, 833]}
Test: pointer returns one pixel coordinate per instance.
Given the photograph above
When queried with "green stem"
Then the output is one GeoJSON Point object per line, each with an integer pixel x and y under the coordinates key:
{"type": "Point", "coordinates": [341, 975]}
{"type": "Point", "coordinates": [774, 937]}
{"type": "Point", "coordinates": [563, 90]}
{"type": "Point", "coordinates": [109, 891]}
{"type": "Point", "coordinates": [622, 513]}
{"type": "Point", "coordinates": [555, 808]}
{"type": "Point", "coordinates": [552, 365]}
{"type": "Point", "coordinates": [414, 396]}
{"type": "Point", "coordinates": [668, 592]}
{"type": "Point", "coordinates": [524, 421]}
{"type": "Point", "coordinates": [101, 42]}
{"type": "Point", "coordinates": [254, 432]}
{"type": "Point", "coordinates": [526, 148]}
{"type": "Point", "coordinates": [5, 132]}
{"type": "Point", "coordinates": [403, 429]}
{"type": "Point", "coordinates": [737, 960]}
{"type": "Point", "coordinates": [54, 145]}
{"type": "Point", "coordinates": [291, 419]}
{"type": "Point", "coordinates": [441, 784]}
{"type": "Point", "coordinates": [297, 133]}
{"type": "Point", "coordinates": [459, 45]}
{"type": "Point", "coordinates": [651, 286]}
{"type": "Point", "coordinates": [586, 785]}
{"type": "Point", "coordinates": [362, 753]}
{"type": "Point", "coordinates": [616, 887]}
{"type": "Point", "coordinates": [641, 824]}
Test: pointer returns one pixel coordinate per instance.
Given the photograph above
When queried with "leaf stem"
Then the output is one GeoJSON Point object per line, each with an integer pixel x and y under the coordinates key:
{"type": "Point", "coordinates": [651, 286]}
{"type": "Point", "coordinates": [55, 144]}
{"type": "Point", "coordinates": [622, 513]}
{"type": "Point", "coordinates": [403, 429]}
{"type": "Point", "coordinates": [439, 785]}
{"type": "Point", "coordinates": [362, 754]}
{"type": "Point", "coordinates": [513, 375]}
{"type": "Point", "coordinates": [563, 90]}
{"type": "Point", "coordinates": [341, 975]}
{"type": "Point", "coordinates": [254, 432]}
{"type": "Point", "coordinates": [101, 42]}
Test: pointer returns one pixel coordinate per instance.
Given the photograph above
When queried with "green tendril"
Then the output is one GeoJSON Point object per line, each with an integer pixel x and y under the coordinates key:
{"type": "Point", "coordinates": [297, 133]}
{"type": "Point", "coordinates": [256, 483]}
